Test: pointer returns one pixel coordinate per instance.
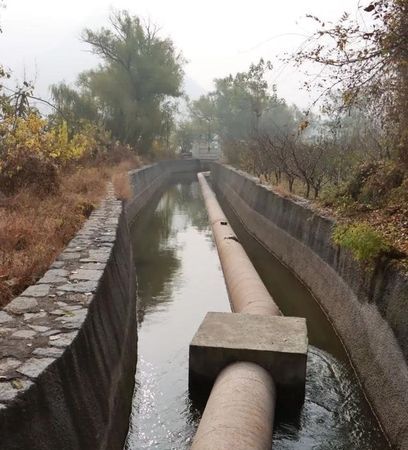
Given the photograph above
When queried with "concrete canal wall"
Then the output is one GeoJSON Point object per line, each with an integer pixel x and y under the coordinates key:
{"type": "Point", "coordinates": [149, 179]}
{"type": "Point", "coordinates": [369, 309]}
{"type": "Point", "coordinates": [68, 344]}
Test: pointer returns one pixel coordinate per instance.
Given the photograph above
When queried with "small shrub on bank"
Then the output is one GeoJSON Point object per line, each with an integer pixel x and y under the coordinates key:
{"type": "Point", "coordinates": [365, 243]}
{"type": "Point", "coordinates": [32, 152]}
{"type": "Point", "coordinates": [372, 183]}
{"type": "Point", "coordinates": [121, 184]}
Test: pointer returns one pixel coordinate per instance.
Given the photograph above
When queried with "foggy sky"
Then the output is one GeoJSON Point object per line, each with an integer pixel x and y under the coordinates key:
{"type": "Point", "coordinates": [40, 38]}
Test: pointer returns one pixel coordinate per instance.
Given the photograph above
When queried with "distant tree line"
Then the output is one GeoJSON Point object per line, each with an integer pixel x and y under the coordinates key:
{"type": "Point", "coordinates": [260, 132]}
{"type": "Point", "coordinates": [133, 97]}
{"type": "Point", "coordinates": [362, 126]}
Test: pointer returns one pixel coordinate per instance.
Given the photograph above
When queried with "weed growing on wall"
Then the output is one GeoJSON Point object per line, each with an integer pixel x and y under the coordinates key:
{"type": "Point", "coordinates": [365, 243]}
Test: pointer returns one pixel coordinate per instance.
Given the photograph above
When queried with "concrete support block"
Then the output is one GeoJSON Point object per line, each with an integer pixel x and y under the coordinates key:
{"type": "Point", "coordinates": [276, 343]}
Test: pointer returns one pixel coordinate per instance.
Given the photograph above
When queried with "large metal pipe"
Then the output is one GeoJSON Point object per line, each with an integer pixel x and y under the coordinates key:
{"type": "Point", "coordinates": [246, 291]}
{"type": "Point", "coordinates": [239, 412]}
{"type": "Point", "coordinates": [240, 409]}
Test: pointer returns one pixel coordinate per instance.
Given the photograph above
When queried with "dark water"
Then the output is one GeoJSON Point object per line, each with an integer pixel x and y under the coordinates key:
{"type": "Point", "coordinates": [180, 280]}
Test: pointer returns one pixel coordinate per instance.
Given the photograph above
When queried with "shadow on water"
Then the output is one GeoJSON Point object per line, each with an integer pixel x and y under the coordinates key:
{"type": "Point", "coordinates": [179, 281]}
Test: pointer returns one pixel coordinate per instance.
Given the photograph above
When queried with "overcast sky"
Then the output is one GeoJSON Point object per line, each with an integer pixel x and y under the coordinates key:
{"type": "Point", "coordinates": [41, 37]}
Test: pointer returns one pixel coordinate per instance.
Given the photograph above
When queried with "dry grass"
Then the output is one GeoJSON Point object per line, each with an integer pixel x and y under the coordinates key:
{"type": "Point", "coordinates": [121, 184]}
{"type": "Point", "coordinates": [120, 180]}
{"type": "Point", "coordinates": [34, 230]}
{"type": "Point", "coordinates": [282, 188]}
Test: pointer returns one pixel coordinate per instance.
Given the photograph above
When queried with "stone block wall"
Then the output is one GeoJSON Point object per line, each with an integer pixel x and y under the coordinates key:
{"type": "Point", "coordinates": [68, 344]}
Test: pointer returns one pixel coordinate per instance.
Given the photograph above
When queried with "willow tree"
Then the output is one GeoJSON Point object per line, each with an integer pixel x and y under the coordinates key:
{"type": "Point", "coordinates": [139, 73]}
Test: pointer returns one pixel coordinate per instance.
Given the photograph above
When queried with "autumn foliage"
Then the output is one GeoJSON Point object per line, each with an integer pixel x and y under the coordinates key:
{"type": "Point", "coordinates": [32, 152]}
{"type": "Point", "coordinates": [51, 179]}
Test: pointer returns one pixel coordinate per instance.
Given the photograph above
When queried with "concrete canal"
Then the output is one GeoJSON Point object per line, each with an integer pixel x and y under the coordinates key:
{"type": "Point", "coordinates": [179, 281]}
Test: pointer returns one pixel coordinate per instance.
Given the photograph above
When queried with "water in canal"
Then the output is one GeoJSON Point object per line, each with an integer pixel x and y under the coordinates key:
{"type": "Point", "coordinates": [179, 281]}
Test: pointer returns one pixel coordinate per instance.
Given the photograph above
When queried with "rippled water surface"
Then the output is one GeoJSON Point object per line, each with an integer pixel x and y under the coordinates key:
{"type": "Point", "coordinates": [179, 281]}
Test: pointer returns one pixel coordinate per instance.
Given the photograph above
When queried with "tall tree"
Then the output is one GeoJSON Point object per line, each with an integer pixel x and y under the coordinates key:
{"type": "Point", "coordinates": [74, 106]}
{"type": "Point", "coordinates": [242, 100]}
{"type": "Point", "coordinates": [139, 72]}
{"type": "Point", "coordinates": [185, 134]}
{"type": "Point", "coordinates": [204, 118]}
{"type": "Point", "coordinates": [247, 108]}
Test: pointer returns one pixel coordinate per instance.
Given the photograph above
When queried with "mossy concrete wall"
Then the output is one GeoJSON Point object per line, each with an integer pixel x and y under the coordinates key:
{"type": "Point", "coordinates": [368, 308]}
{"type": "Point", "coordinates": [68, 344]}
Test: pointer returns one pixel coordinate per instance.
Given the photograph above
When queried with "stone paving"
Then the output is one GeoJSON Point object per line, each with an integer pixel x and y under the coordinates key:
{"type": "Point", "coordinates": [37, 326]}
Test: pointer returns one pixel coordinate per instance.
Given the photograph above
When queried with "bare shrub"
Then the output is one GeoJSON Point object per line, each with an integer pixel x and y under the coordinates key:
{"type": "Point", "coordinates": [121, 184]}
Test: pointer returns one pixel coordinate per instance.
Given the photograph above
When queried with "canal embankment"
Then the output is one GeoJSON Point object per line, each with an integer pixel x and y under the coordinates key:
{"type": "Point", "coordinates": [368, 308]}
{"type": "Point", "coordinates": [179, 281]}
{"type": "Point", "coordinates": [68, 344]}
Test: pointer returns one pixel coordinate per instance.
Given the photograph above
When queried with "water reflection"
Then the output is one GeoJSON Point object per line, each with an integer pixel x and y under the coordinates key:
{"type": "Point", "coordinates": [180, 279]}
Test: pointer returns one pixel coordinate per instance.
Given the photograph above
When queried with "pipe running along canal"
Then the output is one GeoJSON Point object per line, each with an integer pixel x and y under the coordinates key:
{"type": "Point", "coordinates": [240, 409]}
{"type": "Point", "coordinates": [179, 280]}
